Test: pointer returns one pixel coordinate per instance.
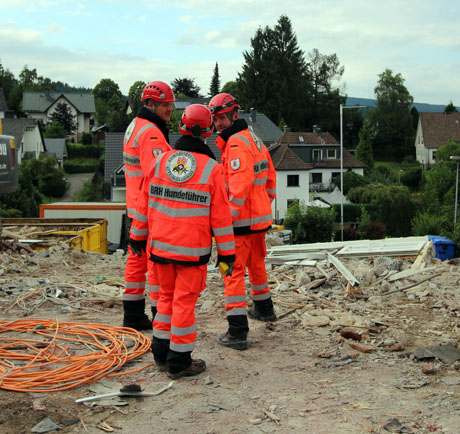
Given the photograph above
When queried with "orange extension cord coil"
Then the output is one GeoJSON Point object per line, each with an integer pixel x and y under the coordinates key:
{"type": "Point", "coordinates": [66, 355]}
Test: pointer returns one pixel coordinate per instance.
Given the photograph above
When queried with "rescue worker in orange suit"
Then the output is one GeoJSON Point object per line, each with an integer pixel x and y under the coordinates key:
{"type": "Point", "coordinates": [185, 201]}
{"type": "Point", "coordinates": [145, 139]}
{"type": "Point", "coordinates": [251, 183]}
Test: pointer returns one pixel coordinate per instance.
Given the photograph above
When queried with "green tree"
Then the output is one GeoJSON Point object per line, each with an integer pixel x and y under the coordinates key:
{"type": "Point", "coordinates": [62, 115]}
{"type": "Point", "coordinates": [8, 83]}
{"type": "Point", "coordinates": [231, 87]}
{"type": "Point", "coordinates": [364, 150]}
{"type": "Point", "coordinates": [392, 118]}
{"type": "Point", "coordinates": [274, 76]}
{"type": "Point", "coordinates": [214, 88]}
{"type": "Point", "coordinates": [134, 96]}
{"type": "Point", "coordinates": [110, 105]}
{"type": "Point", "coordinates": [186, 87]}
{"type": "Point", "coordinates": [450, 108]}
{"type": "Point", "coordinates": [324, 70]}
{"type": "Point", "coordinates": [54, 130]}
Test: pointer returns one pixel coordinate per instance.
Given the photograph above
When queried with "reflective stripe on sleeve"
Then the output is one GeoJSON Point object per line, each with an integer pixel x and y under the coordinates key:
{"type": "Point", "coordinates": [139, 232]}
{"type": "Point", "coordinates": [133, 173]}
{"type": "Point", "coordinates": [131, 159]}
{"type": "Point", "coordinates": [237, 201]}
{"type": "Point", "coordinates": [227, 230]}
{"type": "Point", "coordinates": [138, 216]}
{"type": "Point", "coordinates": [253, 221]}
{"type": "Point", "coordinates": [230, 245]}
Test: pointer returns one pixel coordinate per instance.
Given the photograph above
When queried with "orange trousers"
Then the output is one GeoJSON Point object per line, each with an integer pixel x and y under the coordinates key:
{"type": "Point", "coordinates": [250, 254]}
{"type": "Point", "coordinates": [180, 287]}
{"type": "Point", "coordinates": [135, 282]}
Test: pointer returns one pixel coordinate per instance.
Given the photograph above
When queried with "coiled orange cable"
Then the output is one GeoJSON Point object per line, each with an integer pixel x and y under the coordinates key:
{"type": "Point", "coordinates": [64, 355]}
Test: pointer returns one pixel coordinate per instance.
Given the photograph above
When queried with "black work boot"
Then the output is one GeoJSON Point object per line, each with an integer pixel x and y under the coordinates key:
{"type": "Point", "coordinates": [182, 365]}
{"type": "Point", "coordinates": [236, 336]}
{"type": "Point", "coordinates": [160, 349]}
{"type": "Point", "coordinates": [262, 310]}
{"type": "Point", "coordinates": [134, 315]}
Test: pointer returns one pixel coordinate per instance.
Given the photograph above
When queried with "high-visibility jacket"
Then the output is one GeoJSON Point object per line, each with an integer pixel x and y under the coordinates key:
{"type": "Point", "coordinates": [184, 202]}
{"type": "Point", "coordinates": [251, 180]}
{"type": "Point", "coordinates": [143, 142]}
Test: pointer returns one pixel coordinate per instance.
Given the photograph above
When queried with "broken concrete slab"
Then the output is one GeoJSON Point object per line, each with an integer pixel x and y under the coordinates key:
{"type": "Point", "coordinates": [343, 270]}
{"type": "Point", "coordinates": [448, 353]}
{"type": "Point", "coordinates": [45, 425]}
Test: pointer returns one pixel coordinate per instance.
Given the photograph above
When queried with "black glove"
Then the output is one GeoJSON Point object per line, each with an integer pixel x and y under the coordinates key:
{"type": "Point", "coordinates": [137, 246]}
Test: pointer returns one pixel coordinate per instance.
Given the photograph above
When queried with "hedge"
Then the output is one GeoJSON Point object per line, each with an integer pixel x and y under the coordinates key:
{"type": "Point", "coordinates": [81, 165]}
{"type": "Point", "coordinates": [84, 151]}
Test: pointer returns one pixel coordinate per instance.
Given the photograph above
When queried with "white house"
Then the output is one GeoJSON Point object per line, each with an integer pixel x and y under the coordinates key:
{"type": "Point", "coordinates": [433, 131]}
{"type": "Point", "coordinates": [28, 137]}
{"type": "Point", "coordinates": [308, 167]}
{"type": "Point", "coordinates": [41, 106]}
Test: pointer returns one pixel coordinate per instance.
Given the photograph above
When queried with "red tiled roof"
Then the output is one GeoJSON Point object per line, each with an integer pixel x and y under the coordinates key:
{"type": "Point", "coordinates": [439, 128]}
{"type": "Point", "coordinates": [284, 158]}
{"type": "Point", "coordinates": [309, 138]}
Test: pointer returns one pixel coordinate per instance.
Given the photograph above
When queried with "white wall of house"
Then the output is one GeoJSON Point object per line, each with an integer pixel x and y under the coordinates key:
{"type": "Point", "coordinates": [285, 193]}
{"type": "Point", "coordinates": [425, 156]}
{"type": "Point", "coordinates": [327, 174]}
{"type": "Point", "coordinates": [73, 110]}
{"type": "Point", "coordinates": [31, 142]}
{"type": "Point", "coordinates": [2, 115]}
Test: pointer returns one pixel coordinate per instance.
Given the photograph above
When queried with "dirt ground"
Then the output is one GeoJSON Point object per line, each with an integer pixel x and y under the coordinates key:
{"type": "Point", "coordinates": [299, 375]}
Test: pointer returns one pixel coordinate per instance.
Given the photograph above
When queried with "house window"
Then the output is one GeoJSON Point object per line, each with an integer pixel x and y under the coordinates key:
{"type": "Point", "coordinates": [316, 154]}
{"type": "Point", "coordinates": [293, 180]}
{"type": "Point", "coordinates": [316, 178]}
{"type": "Point", "coordinates": [331, 154]}
{"type": "Point", "coordinates": [291, 202]}
{"type": "Point", "coordinates": [434, 155]}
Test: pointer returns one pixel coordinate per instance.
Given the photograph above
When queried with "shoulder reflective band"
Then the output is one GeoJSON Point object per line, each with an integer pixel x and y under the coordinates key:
{"type": "Point", "coordinates": [243, 138]}
{"type": "Point", "coordinates": [145, 128]}
{"type": "Point", "coordinates": [157, 165]}
{"type": "Point", "coordinates": [207, 171]}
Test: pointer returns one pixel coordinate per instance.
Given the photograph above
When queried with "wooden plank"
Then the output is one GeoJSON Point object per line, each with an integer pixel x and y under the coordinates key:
{"type": "Point", "coordinates": [343, 270]}
{"type": "Point", "coordinates": [404, 274]}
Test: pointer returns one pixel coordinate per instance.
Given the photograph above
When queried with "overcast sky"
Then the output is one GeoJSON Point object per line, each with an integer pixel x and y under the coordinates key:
{"type": "Point", "coordinates": [82, 41]}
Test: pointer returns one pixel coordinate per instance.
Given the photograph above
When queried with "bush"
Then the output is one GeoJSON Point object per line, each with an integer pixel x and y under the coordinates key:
{"type": "Point", "coordinates": [352, 180]}
{"type": "Point", "coordinates": [369, 230]}
{"type": "Point", "coordinates": [310, 224]}
{"type": "Point", "coordinates": [412, 178]}
{"type": "Point", "coordinates": [351, 212]}
{"type": "Point", "coordinates": [87, 138]}
{"type": "Point", "coordinates": [425, 223]}
{"type": "Point", "coordinates": [81, 165]}
{"type": "Point", "coordinates": [384, 174]}
{"type": "Point", "coordinates": [9, 213]}
{"type": "Point", "coordinates": [54, 130]}
{"type": "Point", "coordinates": [53, 184]}
{"type": "Point", "coordinates": [391, 204]}
{"type": "Point", "coordinates": [84, 151]}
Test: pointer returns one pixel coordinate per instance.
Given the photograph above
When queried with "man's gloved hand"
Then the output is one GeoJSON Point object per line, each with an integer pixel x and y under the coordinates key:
{"type": "Point", "coordinates": [137, 246]}
{"type": "Point", "coordinates": [225, 265]}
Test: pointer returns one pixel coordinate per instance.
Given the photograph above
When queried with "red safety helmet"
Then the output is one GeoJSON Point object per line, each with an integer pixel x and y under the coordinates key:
{"type": "Point", "coordinates": [196, 121]}
{"type": "Point", "coordinates": [158, 91]}
{"type": "Point", "coordinates": [223, 103]}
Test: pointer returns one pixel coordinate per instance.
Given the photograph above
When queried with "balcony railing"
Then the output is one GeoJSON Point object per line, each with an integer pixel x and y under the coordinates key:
{"type": "Point", "coordinates": [321, 186]}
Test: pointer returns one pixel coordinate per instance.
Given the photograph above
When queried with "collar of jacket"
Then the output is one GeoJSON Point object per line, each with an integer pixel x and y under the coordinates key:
{"type": "Point", "coordinates": [192, 144]}
{"type": "Point", "coordinates": [224, 135]}
{"type": "Point", "coordinates": [147, 114]}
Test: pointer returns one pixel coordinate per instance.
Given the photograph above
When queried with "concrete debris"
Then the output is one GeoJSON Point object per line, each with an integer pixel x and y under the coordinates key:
{"type": "Point", "coordinates": [448, 354]}
{"type": "Point", "coordinates": [45, 425]}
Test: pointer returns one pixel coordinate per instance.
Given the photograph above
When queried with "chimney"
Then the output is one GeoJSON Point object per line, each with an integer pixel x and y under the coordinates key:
{"type": "Point", "coordinates": [316, 129]}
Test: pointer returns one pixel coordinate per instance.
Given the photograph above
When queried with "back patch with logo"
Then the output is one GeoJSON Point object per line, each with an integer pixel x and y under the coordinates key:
{"type": "Point", "coordinates": [180, 166]}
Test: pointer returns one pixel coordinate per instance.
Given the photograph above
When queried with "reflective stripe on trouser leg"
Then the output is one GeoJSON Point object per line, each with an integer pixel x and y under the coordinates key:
{"type": "Point", "coordinates": [190, 281]}
{"type": "Point", "coordinates": [256, 268]}
{"type": "Point", "coordinates": [153, 286]}
{"type": "Point", "coordinates": [162, 320]}
{"type": "Point", "coordinates": [234, 286]}
{"type": "Point", "coordinates": [135, 269]}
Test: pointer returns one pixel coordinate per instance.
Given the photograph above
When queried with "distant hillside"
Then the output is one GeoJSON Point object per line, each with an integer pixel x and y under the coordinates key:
{"type": "Point", "coordinates": [421, 107]}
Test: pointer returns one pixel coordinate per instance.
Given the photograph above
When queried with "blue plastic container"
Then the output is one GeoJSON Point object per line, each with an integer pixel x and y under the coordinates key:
{"type": "Point", "coordinates": [443, 247]}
